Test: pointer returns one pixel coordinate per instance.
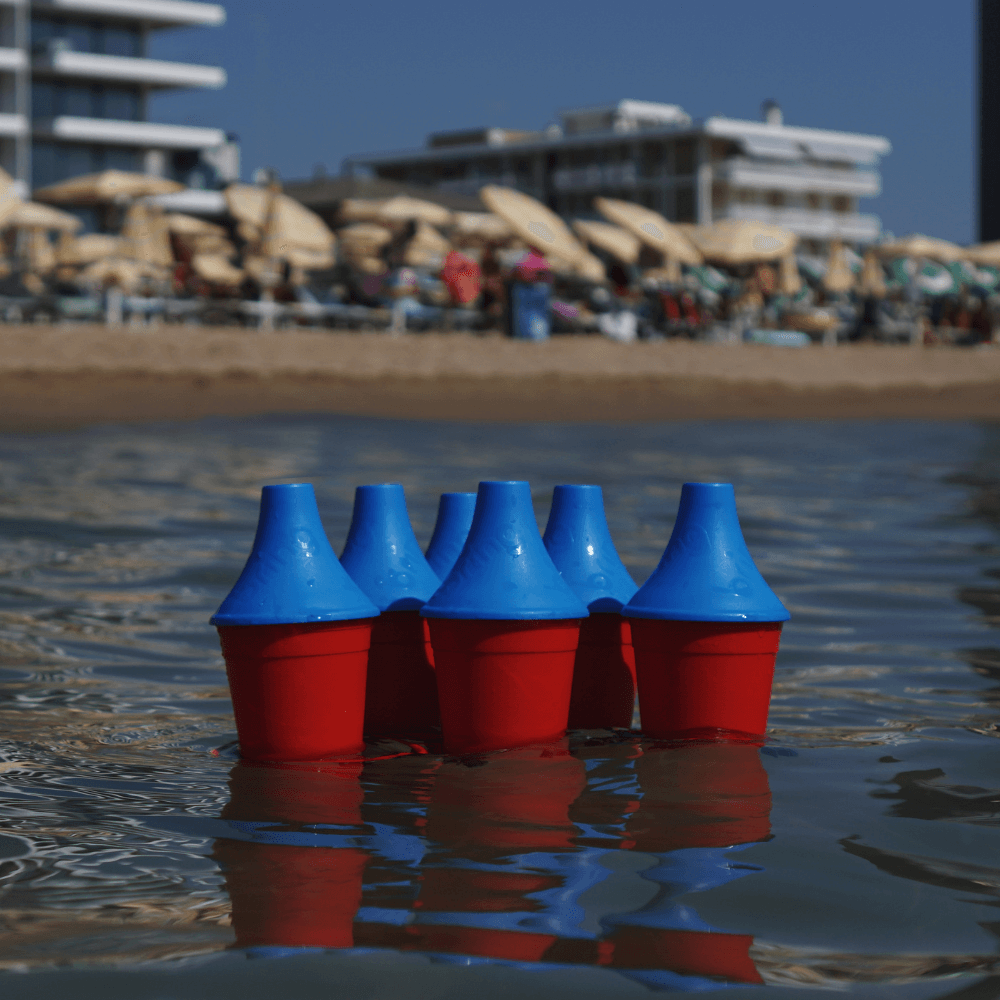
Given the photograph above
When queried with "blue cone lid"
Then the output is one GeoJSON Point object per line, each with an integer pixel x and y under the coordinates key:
{"type": "Point", "coordinates": [381, 554]}
{"type": "Point", "coordinates": [578, 540]}
{"type": "Point", "coordinates": [454, 519]}
{"type": "Point", "coordinates": [504, 572]}
{"type": "Point", "coordinates": [292, 574]}
{"type": "Point", "coordinates": [707, 573]}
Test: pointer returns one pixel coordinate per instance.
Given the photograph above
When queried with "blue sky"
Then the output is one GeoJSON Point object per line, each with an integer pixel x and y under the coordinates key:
{"type": "Point", "coordinates": [311, 81]}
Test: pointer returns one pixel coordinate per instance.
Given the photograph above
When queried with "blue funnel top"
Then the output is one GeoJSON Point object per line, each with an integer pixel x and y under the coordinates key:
{"type": "Point", "coordinates": [578, 540]}
{"type": "Point", "coordinates": [292, 574]}
{"type": "Point", "coordinates": [707, 573]}
{"type": "Point", "coordinates": [504, 572]}
{"type": "Point", "coordinates": [451, 530]}
{"type": "Point", "coordinates": [381, 554]}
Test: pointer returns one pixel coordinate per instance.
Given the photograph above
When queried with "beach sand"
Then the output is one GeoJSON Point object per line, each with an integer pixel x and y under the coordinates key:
{"type": "Point", "coordinates": [54, 377]}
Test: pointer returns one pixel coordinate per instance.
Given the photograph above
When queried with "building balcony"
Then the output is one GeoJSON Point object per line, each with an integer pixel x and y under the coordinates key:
{"type": "Point", "coordinates": [152, 72]}
{"type": "Point", "coordinates": [12, 59]}
{"type": "Point", "coordinates": [121, 133]}
{"type": "Point", "coordinates": [746, 173]}
{"type": "Point", "coordinates": [13, 125]}
{"type": "Point", "coordinates": [156, 13]}
{"type": "Point", "coordinates": [851, 227]}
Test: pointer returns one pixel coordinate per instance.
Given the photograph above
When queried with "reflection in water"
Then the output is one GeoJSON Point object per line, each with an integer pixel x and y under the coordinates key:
{"type": "Point", "coordinates": [479, 858]}
{"type": "Point", "coordinates": [116, 729]}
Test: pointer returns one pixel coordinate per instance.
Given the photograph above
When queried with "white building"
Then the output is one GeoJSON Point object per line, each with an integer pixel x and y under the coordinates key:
{"type": "Point", "coordinates": [75, 80]}
{"type": "Point", "coordinates": [804, 179]}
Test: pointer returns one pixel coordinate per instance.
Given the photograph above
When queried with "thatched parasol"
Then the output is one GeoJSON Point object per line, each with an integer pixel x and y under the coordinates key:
{"type": "Point", "coordinates": [651, 228]}
{"type": "Point", "coordinates": [127, 274]}
{"type": "Point", "coordinates": [741, 241]}
{"type": "Point", "coordinates": [427, 248]}
{"type": "Point", "coordinates": [872, 279]}
{"type": "Point", "coordinates": [616, 241]}
{"type": "Point", "coordinates": [483, 225]}
{"type": "Point", "coordinates": [360, 209]}
{"type": "Point", "coordinates": [406, 209]}
{"type": "Point", "coordinates": [107, 186]}
{"type": "Point", "coordinates": [789, 279]}
{"type": "Point", "coordinates": [190, 225]}
{"type": "Point", "coordinates": [32, 215]}
{"type": "Point", "coordinates": [917, 245]}
{"type": "Point", "coordinates": [281, 220]}
{"type": "Point", "coordinates": [145, 236]}
{"type": "Point", "coordinates": [838, 277]}
{"type": "Point", "coordinates": [539, 226]}
{"type": "Point", "coordinates": [87, 249]}
{"type": "Point", "coordinates": [216, 269]}
{"type": "Point", "coordinates": [987, 254]}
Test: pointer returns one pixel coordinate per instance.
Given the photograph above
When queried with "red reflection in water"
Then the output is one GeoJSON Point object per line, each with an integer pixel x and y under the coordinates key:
{"type": "Point", "coordinates": [283, 893]}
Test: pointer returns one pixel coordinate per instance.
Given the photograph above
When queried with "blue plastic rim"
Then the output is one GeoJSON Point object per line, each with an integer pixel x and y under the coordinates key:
{"type": "Point", "coordinates": [292, 574]}
{"type": "Point", "coordinates": [451, 529]}
{"type": "Point", "coordinates": [504, 572]}
{"type": "Point", "coordinates": [579, 542]}
{"type": "Point", "coordinates": [381, 554]}
{"type": "Point", "coordinates": [707, 573]}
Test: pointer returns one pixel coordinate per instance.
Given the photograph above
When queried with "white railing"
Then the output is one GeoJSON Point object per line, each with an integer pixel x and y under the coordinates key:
{"type": "Point", "coordinates": [747, 173]}
{"type": "Point", "coordinates": [812, 224]}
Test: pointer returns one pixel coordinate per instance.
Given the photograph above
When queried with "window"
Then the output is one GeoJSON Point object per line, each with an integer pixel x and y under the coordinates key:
{"type": "Point", "coordinates": [840, 203]}
{"type": "Point", "coordinates": [684, 157]}
{"type": "Point", "coordinates": [813, 200]}
{"type": "Point", "coordinates": [121, 103]}
{"type": "Point", "coordinates": [720, 194]}
{"type": "Point", "coordinates": [776, 198]}
{"type": "Point", "coordinates": [51, 98]}
{"type": "Point", "coordinates": [43, 99]}
{"type": "Point", "coordinates": [87, 36]}
{"type": "Point", "coordinates": [684, 204]}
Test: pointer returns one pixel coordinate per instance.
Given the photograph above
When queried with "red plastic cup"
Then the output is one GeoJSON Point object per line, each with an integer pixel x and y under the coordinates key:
{"type": "Point", "coordinates": [402, 698]}
{"type": "Point", "coordinates": [285, 894]}
{"type": "Point", "coordinates": [503, 684]}
{"type": "Point", "coordinates": [704, 680]}
{"type": "Point", "coordinates": [603, 693]}
{"type": "Point", "coordinates": [298, 690]}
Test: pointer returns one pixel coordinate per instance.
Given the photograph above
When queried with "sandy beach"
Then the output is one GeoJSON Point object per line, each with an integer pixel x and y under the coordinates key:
{"type": "Point", "coordinates": [64, 376]}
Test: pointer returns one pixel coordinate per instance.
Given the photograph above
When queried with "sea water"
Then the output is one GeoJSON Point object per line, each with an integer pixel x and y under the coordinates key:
{"type": "Point", "coordinates": [856, 852]}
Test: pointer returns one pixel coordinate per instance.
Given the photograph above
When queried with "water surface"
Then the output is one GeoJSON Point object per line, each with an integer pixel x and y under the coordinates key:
{"type": "Point", "coordinates": [856, 852]}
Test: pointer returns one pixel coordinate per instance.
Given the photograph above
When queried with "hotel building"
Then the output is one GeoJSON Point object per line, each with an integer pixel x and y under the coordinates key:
{"type": "Point", "coordinates": [807, 180]}
{"type": "Point", "coordinates": [75, 80]}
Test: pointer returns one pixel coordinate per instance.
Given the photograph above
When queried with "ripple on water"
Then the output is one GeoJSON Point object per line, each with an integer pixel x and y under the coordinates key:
{"type": "Point", "coordinates": [868, 824]}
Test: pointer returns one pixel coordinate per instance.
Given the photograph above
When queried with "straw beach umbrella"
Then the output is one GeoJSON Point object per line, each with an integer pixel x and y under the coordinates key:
{"type": "Point", "coordinates": [618, 242]}
{"type": "Point", "coordinates": [789, 279]}
{"type": "Point", "coordinates": [741, 241]}
{"type": "Point", "coordinates": [32, 215]}
{"type": "Point", "coordinates": [984, 253]}
{"type": "Point", "coordinates": [533, 222]}
{"type": "Point", "coordinates": [917, 245]}
{"type": "Point", "coordinates": [651, 228]}
{"type": "Point", "coordinates": [190, 225]}
{"type": "Point", "coordinates": [86, 249]}
{"type": "Point", "coordinates": [838, 277]}
{"type": "Point", "coordinates": [145, 236]}
{"type": "Point", "coordinates": [281, 221]}
{"type": "Point", "coordinates": [405, 209]}
{"type": "Point", "coordinates": [216, 269]}
{"type": "Point", "coordinates": [360, 209]}
{"type": "Point", "coordinates": [481, 225]}
{"type": "Point", "coordinates": [107, 186]}
{"type": "Point", "coordinates": [871, 282]}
